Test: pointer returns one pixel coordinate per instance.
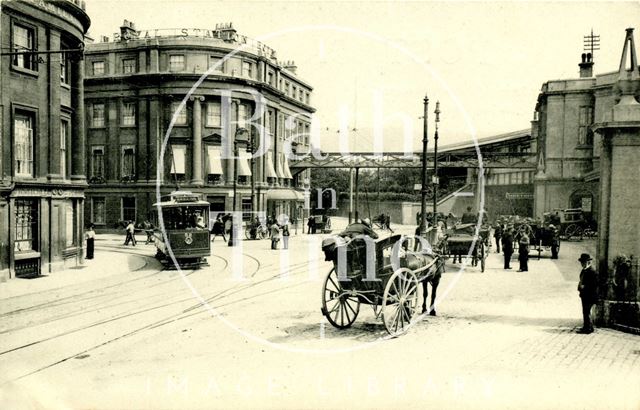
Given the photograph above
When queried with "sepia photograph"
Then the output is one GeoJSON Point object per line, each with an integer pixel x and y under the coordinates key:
{"type": "Point", "coordinates": [314, 204]}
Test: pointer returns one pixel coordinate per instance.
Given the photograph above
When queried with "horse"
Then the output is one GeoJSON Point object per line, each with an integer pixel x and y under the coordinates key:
{"type": "Point", "coordinates": [433, 277]}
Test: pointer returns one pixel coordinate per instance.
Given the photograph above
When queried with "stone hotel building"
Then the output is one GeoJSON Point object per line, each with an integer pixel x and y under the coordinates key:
{"type": "Point", "coordinates": [135, 83]}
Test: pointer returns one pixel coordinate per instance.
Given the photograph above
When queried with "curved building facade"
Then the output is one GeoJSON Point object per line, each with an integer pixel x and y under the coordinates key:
{"type": "Point", "coordinates": [135, 93]}
{"type": "Point", "coordinates": [42, 161]}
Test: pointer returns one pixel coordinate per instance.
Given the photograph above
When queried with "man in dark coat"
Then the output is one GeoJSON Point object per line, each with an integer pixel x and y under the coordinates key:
{"type": "Point", "coordinates": [507, 246]}
{"type": "Point", "coordinates": [359, 228]}
{"type": "Point", "coordinates": [587, 287]}
{"type": "Point", "coordinates": [523, 252]}
{"type": "Point", "coordinates": [497, 233]}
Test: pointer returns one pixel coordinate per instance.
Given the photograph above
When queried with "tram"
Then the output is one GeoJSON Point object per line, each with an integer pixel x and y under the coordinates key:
{"type": "Point", "coordinates": [185, 218]}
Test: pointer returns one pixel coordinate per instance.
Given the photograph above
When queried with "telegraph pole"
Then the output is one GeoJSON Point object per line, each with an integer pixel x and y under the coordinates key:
{"type": "Point", "coordinates": [425, 139]}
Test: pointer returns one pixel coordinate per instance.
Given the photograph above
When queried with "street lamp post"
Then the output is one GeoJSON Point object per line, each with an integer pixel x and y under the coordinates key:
{"type": "Point", "coordinates": [425, 139]}
{"type": "Point", "coordinates": [435, 165]}
{"type": "Point", "coordinates": [239, 137]}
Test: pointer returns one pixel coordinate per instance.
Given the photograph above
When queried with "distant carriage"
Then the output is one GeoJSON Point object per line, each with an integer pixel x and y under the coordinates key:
{"type": "Point", "coordinates": [462, 240]}
{"type": "Point", "coordinates": [181, 221]}
{"type": "Point", "coordinates": [544, 236]}
{"type": "Point", "coordinates": [393, 294]}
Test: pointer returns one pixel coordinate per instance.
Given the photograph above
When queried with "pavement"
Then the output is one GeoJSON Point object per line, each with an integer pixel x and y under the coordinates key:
{"type": "Point", "coordinates": [140, 337]}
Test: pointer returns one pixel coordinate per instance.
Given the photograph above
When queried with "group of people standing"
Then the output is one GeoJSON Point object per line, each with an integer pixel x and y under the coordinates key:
{"type": "Point", "coordinates": [509, 237]}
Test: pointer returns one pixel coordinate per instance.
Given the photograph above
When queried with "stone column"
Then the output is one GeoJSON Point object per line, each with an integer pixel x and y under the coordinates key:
{"type": "Point", "coordinates": [196, 127]}
{"type": "Point", "coordinates": [78, 144]}
{"type": "Point", "coordinates": [53, 147]}
{"type": "Point", "coordinates": [154, 63]}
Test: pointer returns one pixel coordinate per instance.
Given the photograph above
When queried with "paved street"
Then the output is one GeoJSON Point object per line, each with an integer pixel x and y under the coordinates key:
{"type": "Point", "coordinates": [122, 331]}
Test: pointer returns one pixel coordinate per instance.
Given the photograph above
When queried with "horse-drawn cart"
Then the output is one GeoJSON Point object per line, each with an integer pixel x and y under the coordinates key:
{"type": "Point", "coordinates": [462, 241]}
{"type": "Point", "coordinates": [390, 288]}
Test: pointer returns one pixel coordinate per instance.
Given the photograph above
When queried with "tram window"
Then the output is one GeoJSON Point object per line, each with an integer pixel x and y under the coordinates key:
{"type": "Point", "coordinates": [188, 217]}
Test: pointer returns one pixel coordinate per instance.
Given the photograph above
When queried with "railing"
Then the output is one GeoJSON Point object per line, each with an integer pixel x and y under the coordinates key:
{"type": "Point", "coordinates": [624, 290]}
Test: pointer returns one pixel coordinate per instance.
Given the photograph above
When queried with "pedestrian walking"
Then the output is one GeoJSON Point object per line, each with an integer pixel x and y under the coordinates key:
{"type": "Point", "coordinates": [523, 252]}
{"type": "Point", "coordinates": [275, 235]}
{"type": "Point", "coordinates": [227, 224]}
{"type": "Point", "coordinates": [587, 288]}
{"type": "Point", "coordinates": [90, 236]}
{"type": "Point", "coordinates": [131, 234]}
{"type": "Point", "coordinates": [310, 224]}
{"type": "Point", "coordinates": [497, 234]}
{"type": "Point", "coordinates": [285, 236]}
{"type": "Point", "coordinates": [218, 229]}
{"type": "Point", "coordinates": [148, 229]}
{"type": "Point", "coordinates": [507, 246]}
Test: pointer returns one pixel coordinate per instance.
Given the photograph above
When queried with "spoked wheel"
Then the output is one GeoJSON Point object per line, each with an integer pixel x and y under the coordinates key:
{"type": "Point", "coordinates": [340, 308]}
{"type": "Point", "coordinates": [400, 301]}
{"type": "Point", "coordinates": [571, 231]}
{"type": "Point", "coordinates": [260, 234]}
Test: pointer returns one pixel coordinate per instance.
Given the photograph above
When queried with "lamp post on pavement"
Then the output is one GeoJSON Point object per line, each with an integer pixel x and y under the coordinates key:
{"type": "Point", "coordinates": [425, 139]}
{"type": "Point", "coordinates": [240, 137]}
{"type": "Point", "coordinates": [435, 165]}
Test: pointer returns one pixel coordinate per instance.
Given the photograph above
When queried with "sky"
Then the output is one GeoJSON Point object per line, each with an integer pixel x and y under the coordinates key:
{"type": "Point", "coordinates": [371, 63]}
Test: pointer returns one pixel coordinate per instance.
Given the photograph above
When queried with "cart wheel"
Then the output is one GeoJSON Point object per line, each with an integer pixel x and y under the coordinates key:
{"type": "Point", "coordinates": [339, 308]}
{"type": "Point", "coordinates": [571, 231]}
{"type": "Point", "coordinates": [400, 301]}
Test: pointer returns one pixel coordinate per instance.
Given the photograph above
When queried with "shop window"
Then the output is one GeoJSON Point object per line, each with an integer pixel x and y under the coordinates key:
{"type": "Point", "coordinates": [97, 115]}
{"type": "Point", "coordinates": [128, 208]}
{"type": "Point", "coordinates": [26, 225]}
{"type": "Point", "coordinates": [24, 41]}
{"type": "Point", "coordinates": [129, 114]}
{"type": "Point", "coordinates": [176, 63]}
{"type": "Point", "coordinates": [98, 211]}
{"type": "Point", "coordinates": [23, 144]}
{"type": "Point", "coordinates": [181, 118]}
{"type": "Point", "coordinates": [64, 135]}
{"type": "Point", "coordinates": [128, 169]}
{"type": "Point", "coordinates": [98, 67]}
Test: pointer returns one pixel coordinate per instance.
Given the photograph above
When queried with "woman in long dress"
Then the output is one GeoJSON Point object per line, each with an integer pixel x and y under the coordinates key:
{"type": "Point", "coordinates": [90, 236]}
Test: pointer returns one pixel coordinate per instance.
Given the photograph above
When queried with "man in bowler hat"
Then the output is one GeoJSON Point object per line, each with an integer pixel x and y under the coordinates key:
{"type": "Point", "coordinates": [587, 287]}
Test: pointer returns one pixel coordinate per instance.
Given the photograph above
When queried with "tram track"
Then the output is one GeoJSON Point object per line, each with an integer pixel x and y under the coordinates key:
{"type": "Point", "coordinates": [188, 312]}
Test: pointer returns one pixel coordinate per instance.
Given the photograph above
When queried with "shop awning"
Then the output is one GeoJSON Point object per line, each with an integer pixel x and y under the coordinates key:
{"type": "Point", "coordinates": [271, 172]}
{"type": "Point", "coordinates": [244, 170]}
{"type": "Point", "coordinates": [213, 156]}
{"type": "Point", "coordinates": [287, 171]}
{"type": "Point", "coordinates": [285, 194]}
{"type": "Point", "coordinates": [279, 170]}
{"type": "Point", "coordinates": [178, 160]}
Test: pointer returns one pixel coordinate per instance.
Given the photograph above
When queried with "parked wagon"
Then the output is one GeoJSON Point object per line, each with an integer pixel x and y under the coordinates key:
{"type": "Point", "coordinates": [393, 294]}
{"type": "Point", "coordinates": [545, 237]}
{"type": "Point", "coordinates": [462, 240]}
{"type": "Point", "coordinates": [571, 223]}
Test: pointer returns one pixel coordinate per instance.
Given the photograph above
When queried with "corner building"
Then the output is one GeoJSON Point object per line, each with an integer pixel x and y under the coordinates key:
{"type": "Point", "coordinates": [42, 161]}
{"type": "Point", "coordinates": [136, 82]}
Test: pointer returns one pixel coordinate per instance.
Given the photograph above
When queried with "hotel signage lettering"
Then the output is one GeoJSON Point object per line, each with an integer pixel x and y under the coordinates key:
{"type": "Point", "coordinates": [54, 9]}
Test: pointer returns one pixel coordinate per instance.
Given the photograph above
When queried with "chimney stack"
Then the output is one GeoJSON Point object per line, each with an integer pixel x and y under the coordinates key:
{"type": "Point", "coordinates": [586, 66]}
